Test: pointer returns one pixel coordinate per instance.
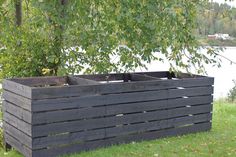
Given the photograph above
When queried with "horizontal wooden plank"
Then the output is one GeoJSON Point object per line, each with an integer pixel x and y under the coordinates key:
{"type": "Point", "coordinates": [186, 75]}
{"type": "Point", "coordinates": [98, 100]}
{"type": "Point", "coordinates": [139, 77]}
{"type": "Point", "coordinates": [80, 113]}
{"type": "Point", "coordinates": [121, 76]}
{"type": "Point", "coordinates": [123, 139]}
{"type": "Point", "coordinates": [17, 88]}
{"type": "Point", "coordinates": [17, 134]}
{"type": "Point", "coordinates": [18, 145]}
{"type": "Point", "coordinates": [72, 126]}
{"type": "Point", "coordinates": [159, 104]}
{"type": "Point", "coordinates": [104, 77]}
{"type": "Point", "coordinates": [17, 111]}
{"type": "Point", "coordinates": [158, 125]}
{"type": "Point", "coordinates": [18, 100]}
{"type": "Point", "coordinates": [69, 138]}
{"type": "Point", "coordinates": [88, 90]}
{"type": "Point", "coordinates": [160, 74]}
{"type": "Point", "coordinates": [17, 123]}
{"type": "Point", "coordinates": [80, 81]}
{"type": "Point", "coordinates": [41, 81]}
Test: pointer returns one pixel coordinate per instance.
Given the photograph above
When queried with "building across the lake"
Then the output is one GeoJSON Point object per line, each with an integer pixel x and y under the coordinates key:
{"type": "Point", "coordinates": [220, 36]}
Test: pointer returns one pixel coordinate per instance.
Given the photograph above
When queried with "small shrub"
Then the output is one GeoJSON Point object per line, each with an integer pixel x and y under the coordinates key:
{"type": "Point", "coordinates": [232, 93]}
{"type": "Point", "coordinates": [1, 139]}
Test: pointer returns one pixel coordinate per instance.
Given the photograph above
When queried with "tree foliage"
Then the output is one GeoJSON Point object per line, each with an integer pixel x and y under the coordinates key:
{"type": "Point", "coordinates": [216, 18]}
{"type": "Point", "coordinates": [93, 36]}
{"type": "Point", "coordinates": [232, 93]}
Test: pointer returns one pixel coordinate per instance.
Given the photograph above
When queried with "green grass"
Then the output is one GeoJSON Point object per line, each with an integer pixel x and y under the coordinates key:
{"type": "Point", "coordinates": [219, 142]}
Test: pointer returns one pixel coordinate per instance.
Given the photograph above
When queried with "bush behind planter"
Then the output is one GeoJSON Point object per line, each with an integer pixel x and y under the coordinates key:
{"type": "Point", "coordinates": [232, 93]}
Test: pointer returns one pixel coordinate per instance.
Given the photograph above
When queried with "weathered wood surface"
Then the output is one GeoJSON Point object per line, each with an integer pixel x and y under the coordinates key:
{"type": "Point", "coordinates": [49, 141]}
{"type": "Point", "coordinates": [139, 77]}
{"type": "Point", "coordinates": [99, 100]}
{"type": "Point", "coordinates": [17, 100]}
{"type": "Point", "coordinates": [80, 113]}
{"type": "Point", "coordinates": [80, 81]}
{"type": "Point", "coordinates": [56, 128]}
{"type": "Point", "coordinates": [18, 123]}
{"type": "Point", "coordinates": [48, 117]}
{"type": "Point", "coordinates": [14, 87]}
{"type": "Point", "coordinates": [124, 139]}
{"type": "Point", "coordinates": [41, 81]}
{"type": "Point", "coordinates": [72, 91]}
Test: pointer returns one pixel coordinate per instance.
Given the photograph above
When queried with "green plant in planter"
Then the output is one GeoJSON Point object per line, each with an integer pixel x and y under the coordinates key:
{"type": "Point", "coordinates": [66, 37]}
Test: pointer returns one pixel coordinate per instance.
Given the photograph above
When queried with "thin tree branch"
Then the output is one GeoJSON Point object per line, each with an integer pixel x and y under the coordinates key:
{"type": "Point", "coordinates": [231, 61]}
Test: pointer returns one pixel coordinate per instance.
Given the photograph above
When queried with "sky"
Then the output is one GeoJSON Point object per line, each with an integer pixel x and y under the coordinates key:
{"type": "Point", "coordinates": [232, 3]}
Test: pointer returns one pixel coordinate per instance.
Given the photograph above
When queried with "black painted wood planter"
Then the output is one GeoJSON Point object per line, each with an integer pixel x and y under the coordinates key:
{"type": "Point", "coordinates": [51, 116]}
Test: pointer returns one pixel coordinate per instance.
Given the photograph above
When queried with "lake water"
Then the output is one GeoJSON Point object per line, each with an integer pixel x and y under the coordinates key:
{"type": "Point", "coordinates": [223, 76]}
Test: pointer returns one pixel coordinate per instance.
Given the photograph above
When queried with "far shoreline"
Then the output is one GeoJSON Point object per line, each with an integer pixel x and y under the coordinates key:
{"type": "Point", "coordinates": [217, 43]}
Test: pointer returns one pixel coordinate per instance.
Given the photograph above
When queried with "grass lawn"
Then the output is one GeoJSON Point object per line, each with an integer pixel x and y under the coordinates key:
{"type": "Point", "coordinates": [219, 142]}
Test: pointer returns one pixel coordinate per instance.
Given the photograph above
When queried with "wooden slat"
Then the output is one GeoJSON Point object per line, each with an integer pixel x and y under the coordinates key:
{"type": "Point", "coordinates": [17, 134]}
{"type": "Point", "coordinates": [17, 88]}
{"type": "Point", "coordinates": [17, 100]}
{"type": "Point", "coordinates": [159, 104]}
{"type": "Point", "coordinates": [124, 139]}
{"type": "Point", "coordinates": [17, 123]}
{"type": "Point", "coordinates": [120, 76]}
{"type": "Point", "coordinates": [103, 77]}
{"type": "Point", "coordinates": [80, 113]}
{"type": "Point", "coordinates": [157, 125]}
{"type": "Point", "coordinates": [58, 92]}
{"type": "Point", "coordinates": [55, 128]}
{"type": "Point", "coordinates": [17, 111]}
{"type": "Point", "coordinates": [18, 145]}
{"type": "Point", "coordinates": [39, 81]}
{"type": "Point", "coordinates": [160, 74]}
{"type": "Point", "coordinates": [73, 102]}
{"type": "Point", "coordinates": [80, 81]}
{"type": "Point", "coordinates": [139, 77]}
{"type": "Point", "coordinates": [186, 75]}
{"type": "Point", "coordinates": [117, 131]}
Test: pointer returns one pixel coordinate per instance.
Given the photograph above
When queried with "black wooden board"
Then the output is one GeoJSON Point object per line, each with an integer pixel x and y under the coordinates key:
{"type": "Point", "coordinates": [43, 142]}
{"type": "Point", "coordinates": [98, 100]}
{"type": "Point", "coordinates": [18, 123]}
{"type": "Point", "coordinates": [91, 112]}
{"type": "Point", "coordinates": [72, 126]}
{"type": "Point", "coordinates": [88, 90]}
{"type": "Point", "coordinates": [123, 139]}
{"type": "Point", "coordinates": [52, 116]}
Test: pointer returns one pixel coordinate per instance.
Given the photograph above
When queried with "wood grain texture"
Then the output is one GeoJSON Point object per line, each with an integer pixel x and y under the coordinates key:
{"type": "Point", "coordinates": [17, 100]}
{"type": "Point", "coordinates": [123, 139]}
{"type": "Point", "coordinates": [17, 88]}
{"type": "Point", "coordinates": [112, 88]}
{"type": "Point", "coordinates": [52, 116]}
{"type": "Point", "coordinates": [72, 126]}
{"type": "Point", "coordinates": [100, 100]}
{"type": "Point", "coordinates": [80, 81]}
{"type": "Point", "coordinates": [83, 136]}
{"type": "Point", "coordinates": [92, 112]}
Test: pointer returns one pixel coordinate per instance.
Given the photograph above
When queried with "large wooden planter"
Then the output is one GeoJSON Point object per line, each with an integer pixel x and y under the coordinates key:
{"type": "Point", "coordinates": [51, 116]}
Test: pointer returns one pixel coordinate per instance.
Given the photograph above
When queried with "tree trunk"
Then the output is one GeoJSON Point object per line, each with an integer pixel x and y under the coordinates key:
{"type": "Point", "coordinates": [18, 6]}
{"type": "Point", "coordinates": [58, 41]}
